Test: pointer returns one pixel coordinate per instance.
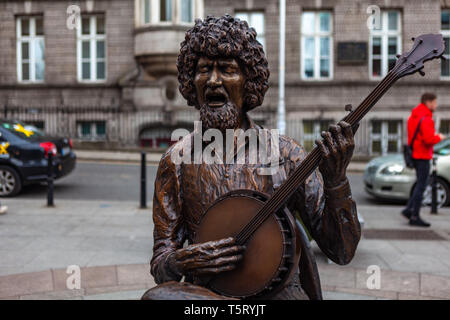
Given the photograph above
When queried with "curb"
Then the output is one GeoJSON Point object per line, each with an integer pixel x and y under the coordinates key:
{"type": "Point", "coordinates": [134, 279]}
{"type": "Point", "coordinates": [52, 284]}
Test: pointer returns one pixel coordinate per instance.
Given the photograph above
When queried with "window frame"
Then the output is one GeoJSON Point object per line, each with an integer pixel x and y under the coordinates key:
{"type": "Point", "coordinates": [249, 14]}
{"type": "Point", "coordinates": [384, 136]}
{"type": "Point", "coordinates": [445, 34]}
{"type": "Point", "coordinates": [93, 38]}
{"type": "Point", "coordinates": [317, 34]}
{"type": "Point", "coordinates": [155, 13]}
{"type": "Point", "coordinates": [385, 34]}
{"type": "Point", "coordinates": [93, 136]}
{"type": "Point", "coordinates": [31, 39]}
{"type": "Point", "coordinates": [316, 130]}
{"type": "Point", "coordinates": [447, 123]}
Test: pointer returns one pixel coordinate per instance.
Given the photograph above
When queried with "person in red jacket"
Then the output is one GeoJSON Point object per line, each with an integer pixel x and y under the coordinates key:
{"type": "Point", "coordinates": [422, 153]}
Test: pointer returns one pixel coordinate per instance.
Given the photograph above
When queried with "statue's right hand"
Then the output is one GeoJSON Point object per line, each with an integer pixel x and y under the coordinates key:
{"type": "Point", "coordinates": [207, 258]}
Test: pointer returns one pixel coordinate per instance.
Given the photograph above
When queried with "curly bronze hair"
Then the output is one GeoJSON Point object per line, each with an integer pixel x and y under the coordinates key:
{"type": "Point", "coordinates": [224, 37]}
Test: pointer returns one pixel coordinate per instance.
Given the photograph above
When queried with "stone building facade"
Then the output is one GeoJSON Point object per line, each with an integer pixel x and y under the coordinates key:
{"type": "Point", "coordinates": [111, 81]}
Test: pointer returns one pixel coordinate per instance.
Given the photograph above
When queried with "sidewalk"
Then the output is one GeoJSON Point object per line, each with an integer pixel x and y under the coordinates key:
{"type": "Point", "coordinates": [112, 243]}
{"type": "Point", "coordinates": [154, 157]}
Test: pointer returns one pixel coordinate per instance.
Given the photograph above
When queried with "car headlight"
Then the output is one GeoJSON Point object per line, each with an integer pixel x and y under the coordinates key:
{"type": "Point", "coordinates": [393, 169]}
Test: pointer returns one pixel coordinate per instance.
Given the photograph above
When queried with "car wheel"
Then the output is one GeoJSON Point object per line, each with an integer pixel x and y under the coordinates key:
{"type": "Point", "coordinates": [10, 183]}
{"type": "Point", "coordinates": [443, 193]}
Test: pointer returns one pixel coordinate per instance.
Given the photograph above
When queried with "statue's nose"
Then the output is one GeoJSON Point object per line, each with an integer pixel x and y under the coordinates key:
{"type": "Point", "coordinates": [214, 79]}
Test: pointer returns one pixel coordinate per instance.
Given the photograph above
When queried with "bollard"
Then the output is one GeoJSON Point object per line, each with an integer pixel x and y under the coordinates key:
{"type": "Point", "coordinates": [50, 180]}
{"type": "Point", "coordinates": [143, 182]}
{"type": "Point", "coordinates": [434, 203]}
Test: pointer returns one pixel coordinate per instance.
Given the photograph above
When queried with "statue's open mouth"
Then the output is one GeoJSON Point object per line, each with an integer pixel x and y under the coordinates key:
{"type": "Point", "coordinates": [215, 99]}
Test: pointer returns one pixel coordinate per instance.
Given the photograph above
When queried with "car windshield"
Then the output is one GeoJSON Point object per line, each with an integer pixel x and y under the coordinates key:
{"type": "Point", "coordinates": [443, 147]}
{"type": "Point", "coordinates": [22, 130]}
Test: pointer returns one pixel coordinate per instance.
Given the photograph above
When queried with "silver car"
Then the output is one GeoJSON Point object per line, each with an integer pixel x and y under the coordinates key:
{"type": "Point", "coordinates": [387, 177]}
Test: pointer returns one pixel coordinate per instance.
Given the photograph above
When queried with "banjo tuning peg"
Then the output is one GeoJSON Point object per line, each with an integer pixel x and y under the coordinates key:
{"type": "Point", "coordinates": [348, 107]}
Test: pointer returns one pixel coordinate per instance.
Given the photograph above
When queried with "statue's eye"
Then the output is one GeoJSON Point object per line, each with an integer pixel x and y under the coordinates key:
{"type": "Point", "coordinates": [203, 69]}
{"type": "Point", "coordinates": [228, 69]}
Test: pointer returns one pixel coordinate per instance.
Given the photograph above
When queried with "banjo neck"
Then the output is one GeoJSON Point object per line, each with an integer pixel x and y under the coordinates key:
{"type": "Point", "coordinates": [426, 47]}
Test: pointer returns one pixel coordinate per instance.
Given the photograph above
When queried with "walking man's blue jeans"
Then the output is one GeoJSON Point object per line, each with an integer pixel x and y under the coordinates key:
{"type": "Point", "coordinates": [422, 168]}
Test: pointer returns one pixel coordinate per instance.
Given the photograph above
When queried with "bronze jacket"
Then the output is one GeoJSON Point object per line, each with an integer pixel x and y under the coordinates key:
{"type": "Point", "coordinates": [184, 191]}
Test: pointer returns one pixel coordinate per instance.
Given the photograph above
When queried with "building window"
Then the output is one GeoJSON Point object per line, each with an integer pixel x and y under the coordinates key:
{"type": "Point", "coordinates": [445, 30]}
{"type": "Point", "coordinates": [146, 11]}
{"type": "Point", "coordinates": [316, 45]}
{"type": "Point", "coordinates": [444, 126]}
{"type": "Point", "coordinates": [385, 136]}
{"type": "Point", "coordinates": [255, 20]}
{"type": "Point", "coordinates": [91, 130]}
{"type": "Point", "coordinates": [160, 137]}
{"type": "Point", "coordinates": [187, 10]}
{"type": "Point", "coordinates": [385, 44]}
{"type": "Point", "coordinates": [164, 11]}
{"type": "Point", "coordinates": [30, 49]}
{"type": "Point", "coordinates": [91, 48]}
{"type": "Point", "coordinates": [39, 124]}
{"type": "Point", "coordinates": [312, 130]}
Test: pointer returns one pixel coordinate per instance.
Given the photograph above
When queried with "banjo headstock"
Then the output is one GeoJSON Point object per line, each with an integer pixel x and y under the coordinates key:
{"type": "Point", "coordinates": [426, 47]}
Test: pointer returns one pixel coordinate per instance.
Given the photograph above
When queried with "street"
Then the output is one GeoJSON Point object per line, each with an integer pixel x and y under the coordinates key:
{"type": "Point", "coordinates": [106, 181]}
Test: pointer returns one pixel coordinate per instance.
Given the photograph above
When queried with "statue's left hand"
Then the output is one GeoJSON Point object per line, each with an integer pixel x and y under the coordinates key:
{"type": "Point", "coordinates": [337, 149]}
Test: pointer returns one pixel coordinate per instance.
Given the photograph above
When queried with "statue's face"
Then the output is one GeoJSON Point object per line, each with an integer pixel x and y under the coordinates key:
{"type": "Point", "coordinates": [219, 83]}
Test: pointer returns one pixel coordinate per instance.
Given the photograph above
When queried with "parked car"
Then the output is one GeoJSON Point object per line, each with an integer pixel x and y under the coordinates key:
{"type": "Point", "coordinates": [387, 177]}
{"type": "Point", "coordinates": [24, 153]}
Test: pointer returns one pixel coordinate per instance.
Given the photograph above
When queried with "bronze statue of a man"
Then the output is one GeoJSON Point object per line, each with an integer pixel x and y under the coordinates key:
{"type": "Point", "coordinates": [224, 73]}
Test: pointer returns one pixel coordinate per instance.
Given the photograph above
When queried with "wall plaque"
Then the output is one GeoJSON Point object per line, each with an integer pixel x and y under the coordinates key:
{"type": "Point", "coordinates": [352, 52]}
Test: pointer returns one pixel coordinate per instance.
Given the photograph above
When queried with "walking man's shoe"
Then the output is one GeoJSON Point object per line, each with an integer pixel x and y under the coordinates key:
{"type": "Point", "coordinates": [418, 222]}
{"type": "Point", "coordinates": [406, 213]}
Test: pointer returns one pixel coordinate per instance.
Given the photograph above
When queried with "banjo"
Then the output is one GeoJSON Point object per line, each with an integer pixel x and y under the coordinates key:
{"type": "Point", "coordinates": [264, 224]}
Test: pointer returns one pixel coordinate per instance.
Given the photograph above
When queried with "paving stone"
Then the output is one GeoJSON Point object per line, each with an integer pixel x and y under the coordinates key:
{"type": "Point", "coordinates": [101, 290]}
{"type": "Point", "coordinates": [105, 243]}
{"type": "Point", "coordinates": [435, 286]}
{"type": "Point", "coordinates": [10, 270]}
{"type": "Point", "coordinates": [60, 279]}
{"type": "Point", "coordinates": [141, 244]}
{"type": "Point", "coordinates": [26, 283]}
{"type": "Point", "coordinates": [94, 277]}
{"type": "Point", "coordinates": [19, 258]}
{"type": "Point", "coordinates": [345, 296]}
{"type": "Point", "coordinates": [376, 294]}
{"type": "Point", "coordinates": [121, 295]}
{"type": "Point", "coordinates": [416, 263]}
{"type": "Point", "coordinates": [407, 282]}
{"type": "Point", "coordinates": [54, 295]}
{"type": "Point", "coordinates": [134, 274]}
{"type": "Point", "coordinates": [405, 296]}
{"type": "Point", "coordinates": [53, 243]}
{"type": "Point", "coordinates": [123, 257]}
{"type": "Point", "coordinates": [336, 276]}
{"type": "Point", "coordinates": [10, 298]}
{"type": "Point", "coordinates": [48, 259]}
{"type": "Point", "coordinates": [14, 243]}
